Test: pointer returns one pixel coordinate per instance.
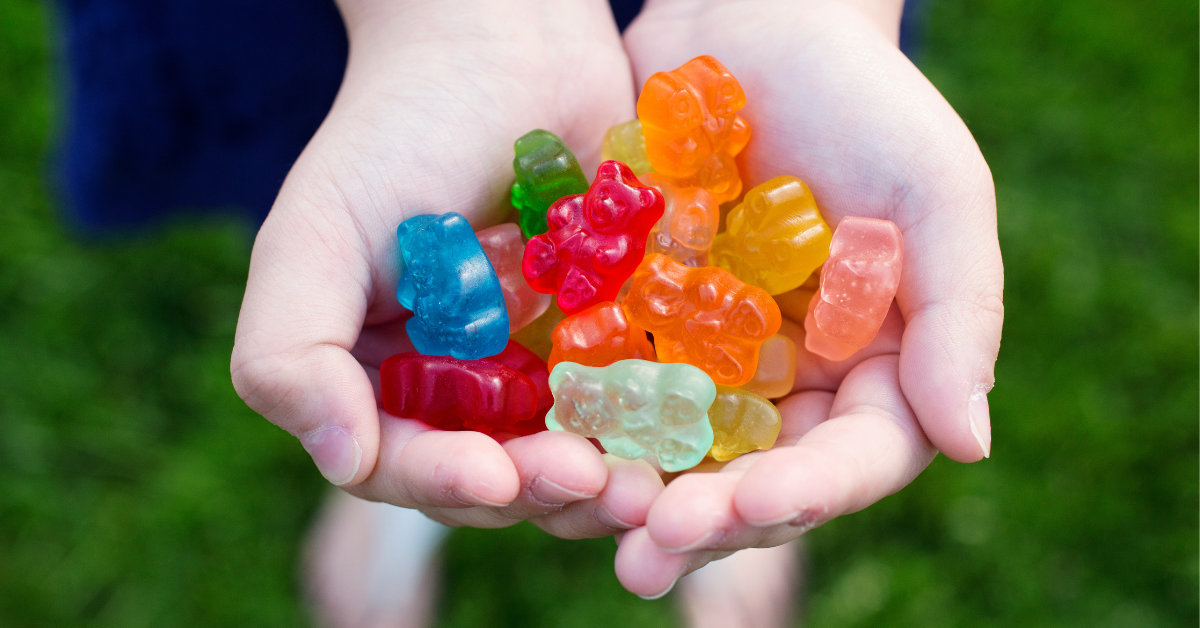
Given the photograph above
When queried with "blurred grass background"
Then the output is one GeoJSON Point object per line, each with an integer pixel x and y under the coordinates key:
{"type": "Point", "coordinates": [137, 490]}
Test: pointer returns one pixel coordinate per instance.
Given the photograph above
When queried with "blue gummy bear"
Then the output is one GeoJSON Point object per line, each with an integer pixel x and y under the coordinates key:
{"type": "Point", "coordinates": [451, 288]}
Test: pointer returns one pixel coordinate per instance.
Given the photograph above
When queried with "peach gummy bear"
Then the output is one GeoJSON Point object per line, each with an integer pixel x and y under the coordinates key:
{"type": "Point", "coordinates": [504, 248]}
{"type": "Point", "coordinates": [858, 283]}
{"type": "Point", "coordinates": [689, 223]}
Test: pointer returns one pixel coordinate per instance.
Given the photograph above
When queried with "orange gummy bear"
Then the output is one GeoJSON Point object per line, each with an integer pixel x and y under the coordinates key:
{"type": "Point", "coordinates": [599, 336]}
{"type": "Point", "coordinates": [692, 130]}
{"type": "Point", "coordinates": [705, 317]}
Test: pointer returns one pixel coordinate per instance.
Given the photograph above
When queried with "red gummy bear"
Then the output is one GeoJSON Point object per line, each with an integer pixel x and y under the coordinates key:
{"type": "Point", "coordinates": [596, 240]}
{"type": "Point", "coordinates": [517, 357]}
{"type": "Point", "coordinates": [508, 392]}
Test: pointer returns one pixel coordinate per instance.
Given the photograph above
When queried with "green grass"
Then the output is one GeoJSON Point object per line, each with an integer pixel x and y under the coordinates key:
{"type": "Point", "coordinates": [137, 490]}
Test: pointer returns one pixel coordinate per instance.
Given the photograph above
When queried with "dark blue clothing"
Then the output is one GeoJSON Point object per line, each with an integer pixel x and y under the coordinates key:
{"type": "Point", "coordinates": [195, 105]}
{"type": "Point", "coordinates": [177, 105]}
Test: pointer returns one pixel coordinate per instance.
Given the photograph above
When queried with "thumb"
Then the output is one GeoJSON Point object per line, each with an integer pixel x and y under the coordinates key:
{"type": "Point", "coordinates": [306, 298]}
{"type": "Point", "coordinates": [951, 294]}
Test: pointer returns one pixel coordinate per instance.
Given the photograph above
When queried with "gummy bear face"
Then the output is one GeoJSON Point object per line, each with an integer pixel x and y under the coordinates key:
{"type": "Point", "coordinates": [595, 241]}
{"type": "Point", "coordinates": [634, 407]}
{"type": "Point", "coordinates": [613, 206]}
{"type": "Point", "coordinates": [776, 236]}
{"type": "Point", "coordinates": [702, 316]}
{"type": "Point", "coordinates": [453, 291]}
{"type": "Point", "coordinates": [723, 95]}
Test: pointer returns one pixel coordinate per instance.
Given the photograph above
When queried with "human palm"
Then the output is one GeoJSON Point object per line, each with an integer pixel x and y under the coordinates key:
{"type": "Point", "coordinates": [830, 99]}
{"type": "Point", "coordinates": [424, 123]}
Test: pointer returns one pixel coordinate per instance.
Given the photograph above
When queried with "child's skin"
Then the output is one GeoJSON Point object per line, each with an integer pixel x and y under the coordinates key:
{"type": "Point", "coordinates": [434, 95]}
{"type": "Point", "coordinates": [835, 103]}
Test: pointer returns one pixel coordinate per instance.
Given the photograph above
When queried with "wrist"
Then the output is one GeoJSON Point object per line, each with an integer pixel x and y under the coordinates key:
{"type": "Point", "coordinates": [883, 14]}
{"type": "Point", "coordinates": [464, 20]}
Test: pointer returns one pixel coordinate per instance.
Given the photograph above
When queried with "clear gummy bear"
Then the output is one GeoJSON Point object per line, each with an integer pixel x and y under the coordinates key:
{"type": "Point", "coordinates": [635, 407]}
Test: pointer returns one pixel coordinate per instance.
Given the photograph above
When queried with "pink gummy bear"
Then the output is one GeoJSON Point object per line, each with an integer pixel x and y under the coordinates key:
{"type": "Point", "coordinates": [858, 283]}
{"type": "Point", "coordinates": [596, 240]}
{"type": "Point", "coordinates": [504, 248]}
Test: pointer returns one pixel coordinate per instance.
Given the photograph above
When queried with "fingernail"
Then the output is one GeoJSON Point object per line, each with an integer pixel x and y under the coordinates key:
{"type": "Point", "coordinates": [554, 494]}
{"type": "Point", "coordinates": [712, 537]}
{"type": "Point", "coordinates": [468, 498]}
{"type": "Point", "coordinates": [805, 521]}
{"type": "Point", "coordinates": [981, 421]}
{"type": "Point", "coordinates": [666, 590]}
{"type": "Point", "coordinates": [607, 518]}
{"type": "Point", "coordinates": [335, 452]}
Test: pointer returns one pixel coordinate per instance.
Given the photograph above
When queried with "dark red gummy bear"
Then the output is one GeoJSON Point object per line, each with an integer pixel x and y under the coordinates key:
{"type": "Point", "coordinates": [517, 357]}
{"type": "Point", "coordinates": [508, 392]}
{"type": "Point", "coordinates": [595, 241]}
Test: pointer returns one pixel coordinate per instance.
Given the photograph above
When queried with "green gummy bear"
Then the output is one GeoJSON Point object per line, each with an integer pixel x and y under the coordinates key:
{"type": "Point", "coordinates": [546, 171]}
{"type": "Point", "coordinates": [635, 407]}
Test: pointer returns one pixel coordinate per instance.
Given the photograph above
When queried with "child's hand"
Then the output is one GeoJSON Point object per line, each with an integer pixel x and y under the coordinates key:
{"type": "Point", "coordinates": [832, 101]}
{"type": "Point", "coordinates": [433, 98]}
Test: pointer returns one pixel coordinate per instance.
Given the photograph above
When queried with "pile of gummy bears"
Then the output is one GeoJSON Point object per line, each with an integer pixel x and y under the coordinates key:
{"type": "Point", "coordinates": [665, 338]}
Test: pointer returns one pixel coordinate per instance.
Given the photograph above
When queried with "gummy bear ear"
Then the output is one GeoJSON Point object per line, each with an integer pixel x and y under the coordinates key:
{"type": "Point", "coordinates": [746, 319]}
{"type": "Point", "coordinates": [647, 196]}
{"type": "Point", "coordinates": [663, 299]}
{"type": "Point", "coordinates": [610, 169]}
{"type": "Point", "coordinates": [668, 103]}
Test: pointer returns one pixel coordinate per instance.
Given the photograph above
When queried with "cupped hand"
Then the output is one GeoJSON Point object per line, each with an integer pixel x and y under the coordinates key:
{"type": "Point", "coordinates": [831, 100]}
{"type": "Point", "coordinates": [433, 97]}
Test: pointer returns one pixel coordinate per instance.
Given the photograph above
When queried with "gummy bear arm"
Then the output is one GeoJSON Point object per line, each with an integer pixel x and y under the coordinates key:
{"type": "Point", "coordinates": [610, 256]}
{"type": "Point", "coordinates": [739, 135]}
{"type": "Point", "coordinates": [563, 211]}
{"type": "Point", "coordinates": [540, 264]}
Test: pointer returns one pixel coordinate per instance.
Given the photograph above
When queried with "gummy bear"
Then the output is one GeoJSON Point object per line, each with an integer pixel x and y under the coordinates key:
{"type": "Point", "coordinates": [691, 127]}
{"type": "Point", "coordinates": [546, 171]}
{"type": "Point", "coordinates": [596, 240]}
{"type": "Point", "coordinates": [536, 335]}
{"type": "Point", "coordinates": [451, 289]}
{"type": "Point", "coordinates": [775, 375]}
{"type": "Point", "coordinates": [775, 238]}
{"type": "Point", "coordinates": [818, 343]}
{"type": "Point", "coordinates": [858, 284]}
{"type": "Point", "coordinates": [517, 357]}
{"type": "Point", "coordinates": [702, 316]}
{"type": "Point", "coordinates": [689, 223]}
{"type": "Point", "coordinates": [624, 143]}
{"type": "Point", "coordinates": [452, 394]}
{"type": "Point", "coordinates": [635, 407]}
{"type": "Point", "coordinates": [742, 422]}
{"type": "Point", "coordinates": [504, 248]}
{"type": "Point", "coordinates": [794, 303]}
{"type": "Point", "coordinates": [599, 336]}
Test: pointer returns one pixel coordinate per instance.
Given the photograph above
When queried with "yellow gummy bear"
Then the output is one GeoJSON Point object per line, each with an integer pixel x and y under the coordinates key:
{"type": "Point", "coordinates": [626, 144]}
{"type": "Point", "coordinates": [775, 238]}
{"type": "Point", "coordinates": [742, 422]}
{"type": "Point", "coordinates": [776, 372]}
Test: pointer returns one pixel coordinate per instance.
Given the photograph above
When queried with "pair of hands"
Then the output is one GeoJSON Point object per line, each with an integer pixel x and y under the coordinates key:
{"type": "Point", "coordinates": [433, 97]}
